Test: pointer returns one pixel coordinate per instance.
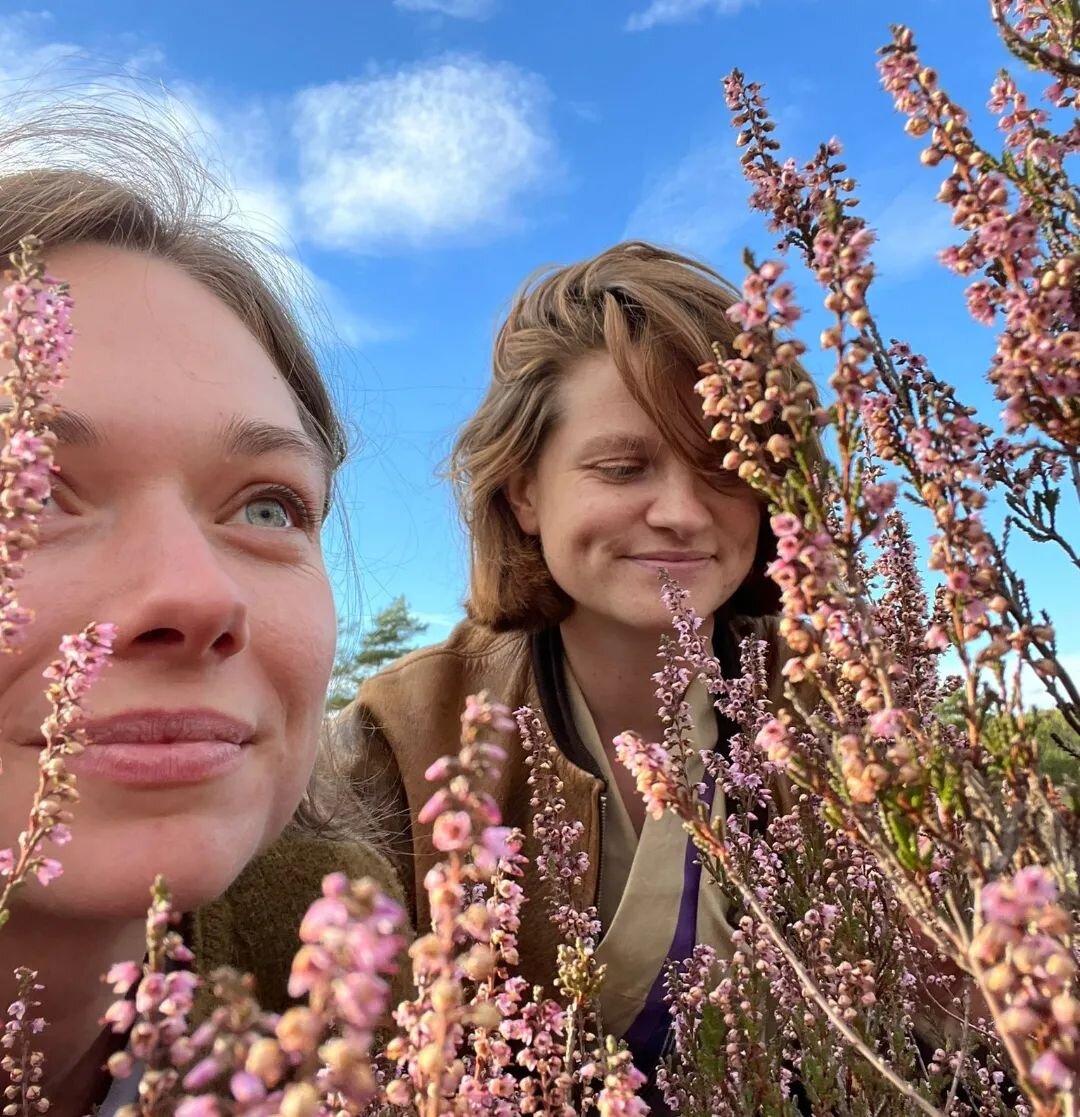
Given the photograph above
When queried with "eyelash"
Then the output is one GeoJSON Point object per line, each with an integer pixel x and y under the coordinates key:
{"type": "Point", "coordinates": [304, 516]}
{"type": "Point", "coordinates": [619, 471]}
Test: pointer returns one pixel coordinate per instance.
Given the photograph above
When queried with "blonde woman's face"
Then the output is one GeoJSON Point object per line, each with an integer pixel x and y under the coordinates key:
{"type": "Point", "coordinates": [612, 504]}
{"type": "Point", "coordinates": [187, 512]}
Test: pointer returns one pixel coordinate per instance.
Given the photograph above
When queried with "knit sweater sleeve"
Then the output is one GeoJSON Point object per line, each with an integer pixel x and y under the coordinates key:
{"type": "Point", "coordinates": [254, 927]}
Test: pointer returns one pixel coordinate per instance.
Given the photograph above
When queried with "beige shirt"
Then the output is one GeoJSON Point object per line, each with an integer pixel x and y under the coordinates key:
{"type": "Point", "coordinates": [641, 884]}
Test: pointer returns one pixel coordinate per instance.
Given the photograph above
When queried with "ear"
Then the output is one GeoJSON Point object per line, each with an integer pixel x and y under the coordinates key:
{"type": "Point", "coordinates": [521, 493]}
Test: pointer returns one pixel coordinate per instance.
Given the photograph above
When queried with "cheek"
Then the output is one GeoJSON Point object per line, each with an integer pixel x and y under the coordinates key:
{"type": "Point", "coordinates": [297, 642]}
{"type": "Point", "coordinates": [588, 520]}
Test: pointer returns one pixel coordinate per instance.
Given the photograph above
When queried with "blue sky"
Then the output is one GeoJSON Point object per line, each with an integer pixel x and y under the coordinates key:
{"type": "Point", "coordinates": [420, 157]}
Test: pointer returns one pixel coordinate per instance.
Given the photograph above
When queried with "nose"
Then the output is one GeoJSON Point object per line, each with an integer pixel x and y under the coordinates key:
{"type": "Point", "coordinates": [679, 504]}
{"type": "Point", "coordinates": [175, 599]}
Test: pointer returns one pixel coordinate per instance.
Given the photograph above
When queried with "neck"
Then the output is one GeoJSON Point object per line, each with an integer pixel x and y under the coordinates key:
{"type": "Point", "coordinates": [613, 665]}
{"type": "Point", "coordinates": [70, 956]}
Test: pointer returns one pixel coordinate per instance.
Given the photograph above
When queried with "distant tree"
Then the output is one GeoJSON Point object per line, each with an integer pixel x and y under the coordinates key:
{"type": "Point", "coordinates": [1059, 745]}
{"type": "Point", "coordinates": [391, 634]}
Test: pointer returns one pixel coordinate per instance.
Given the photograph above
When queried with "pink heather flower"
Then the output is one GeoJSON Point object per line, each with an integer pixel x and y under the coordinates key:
{"type": "Point", "coordinates": [650, 766]}
{"type": "Point", "coordinates": [245, 1087]}
{"type": "Point", "coordinates": [881, 497]}
{"type": "Point", "coordinates": [47, 869]}
{"type": "Point", "coordinates": [1034, 886]}
{"type": "Point", "coordinates": [1048, 1070]}
{"type": "Point", "coordinates": [785, 523]}
{"type": "Point", "coordinates": [496, 840]}
{"type": "Point", "coordinates": [936, 638]}
{"type": "Point", "coordinates": [322, 915]}
{"type": "Point", "coordinates": [7, 862]}
{"type": "Point", "coordinates": [441, 801]}
{"type": "Point", "coordinates": [886, 723]}
{"type": "Point", "coordinates": [201, 1075]}
{"type": "Point", "coordinates": [440, 769]}
{"type": "Point", "coordinates": [198, 1107]}
{"type": "Point", "coordinates": [452, 831]}
{"type": "Point", "coordinates": [773, 738]}
{"type": "Point", "coordinates": [122, 976]}
{"type": "Point", "coordinates": [120, 1015]}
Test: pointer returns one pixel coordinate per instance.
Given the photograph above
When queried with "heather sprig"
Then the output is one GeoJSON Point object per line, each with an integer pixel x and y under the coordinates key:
{"type": "Point", "coordinates": [23, 1065]}
{"type": "Point", "coordinates": [152, 1008]}
{"type": "Point", "coordinates": [560, 863]}
{"type": "Point", "coordinates": [457, 951]}
{"type": "Point", "coordinates": [943, 817]}
{"type": "Point", "coordinates": [207, 1049]}
{"type": "Point", "coordinates": [82, 658]}
{"type": "Point", "coordinates": [35, 340]}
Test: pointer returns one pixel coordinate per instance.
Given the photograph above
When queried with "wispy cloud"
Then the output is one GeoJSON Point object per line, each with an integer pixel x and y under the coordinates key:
{"type": "Point", "coordinates": [421, 155]}
{"type": "Point", "coordinates": [698, 206]}
{"type": "Point", "coordinates": [459, 9]}
{"type": "Point", "coordinates": [911, 228]}
{"type": "Point", "coordinates": [439, 623]}
{"type": "Point", "coordinates": [678, 11]}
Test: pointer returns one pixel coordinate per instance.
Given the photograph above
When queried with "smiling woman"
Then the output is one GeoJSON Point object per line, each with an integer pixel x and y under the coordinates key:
{"type": "Point", "coordinates": [196, 449]}
{"type": "Point", "coordinates": [586, 471]}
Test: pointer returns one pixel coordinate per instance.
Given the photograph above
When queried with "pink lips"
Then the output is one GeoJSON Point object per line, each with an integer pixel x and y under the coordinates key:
{"type": "Point", "coordinates": [162, 747]}
{"type": "Point", "coordinates": [675, 561]}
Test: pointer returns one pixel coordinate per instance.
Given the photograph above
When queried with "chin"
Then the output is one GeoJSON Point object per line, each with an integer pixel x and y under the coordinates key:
{"type": "Point", "coordinates": [109, 875]}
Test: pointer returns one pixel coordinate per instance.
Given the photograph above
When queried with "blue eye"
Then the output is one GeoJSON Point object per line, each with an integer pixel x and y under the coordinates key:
{"type": "Point", "coordinates": [267, 511]}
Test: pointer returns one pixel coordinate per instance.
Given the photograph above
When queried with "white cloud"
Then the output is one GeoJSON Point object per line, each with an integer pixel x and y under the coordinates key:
{"type": "Point", "coordinates": [420, 155]}
{"type": "Point", "coordinates": [678, 11]}
{"type": "Point", "coordinates": [698, 206]}
{"type": "Point", "coordinates": [239, 142]}
{"type": "Point", "coordinates": [459, 9]}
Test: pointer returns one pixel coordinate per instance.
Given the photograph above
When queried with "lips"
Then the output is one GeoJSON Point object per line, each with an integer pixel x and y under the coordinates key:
{"type": "Point", "coordinates": [673, 558]}
{"type": "Point", "coordinates": [167, 727]}
{"type": "Point", "coordinates": [162, 748]}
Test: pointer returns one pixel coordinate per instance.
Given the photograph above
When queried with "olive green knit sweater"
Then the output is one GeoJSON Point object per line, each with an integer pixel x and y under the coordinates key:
{"type": "Point", "coordinates": [254, 927]}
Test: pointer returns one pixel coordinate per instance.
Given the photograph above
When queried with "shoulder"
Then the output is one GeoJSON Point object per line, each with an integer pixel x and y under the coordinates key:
{"type": "Point", "coordinates": [235, 930]}
{"type": "Point", "coordinates": [473, 657]}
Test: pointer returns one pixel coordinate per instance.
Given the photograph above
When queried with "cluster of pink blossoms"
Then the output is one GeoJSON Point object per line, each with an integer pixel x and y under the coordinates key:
{"type": "Point", "coordinates": [35, 339]}
{"type": "Point", "coordinates": [82, 659]}
{"type": "Point", "coordinates": [1019, 212]}
{"type": "Point", "coordinates": [560, 863]}
{"type": "Point", "coordinates": [1025, 945]}
{"type": "Point", "coordinates": [24, 1066]}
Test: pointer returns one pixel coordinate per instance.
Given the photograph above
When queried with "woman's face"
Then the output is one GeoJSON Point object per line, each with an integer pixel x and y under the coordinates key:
{"type": "Point", "coordinates": [187, 512]}
{"type": "Point", "coordinates": [612, 504]}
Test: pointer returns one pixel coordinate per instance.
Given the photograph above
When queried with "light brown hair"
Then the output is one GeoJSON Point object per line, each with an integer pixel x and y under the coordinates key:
{"type": "Point", "coordinates": [149, 193]}
{"type": "Point", "coordinates": [657, 314]}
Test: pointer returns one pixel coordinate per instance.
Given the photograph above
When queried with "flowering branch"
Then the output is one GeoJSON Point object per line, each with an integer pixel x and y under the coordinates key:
{"type": "Point", "coordinates": [82, 659]}
{"type": "Point", "coordinates": [24, 1066]}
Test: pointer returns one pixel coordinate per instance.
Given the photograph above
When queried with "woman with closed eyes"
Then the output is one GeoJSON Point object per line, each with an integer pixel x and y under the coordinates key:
{"type": "Point", "coordinates": [587, 469]}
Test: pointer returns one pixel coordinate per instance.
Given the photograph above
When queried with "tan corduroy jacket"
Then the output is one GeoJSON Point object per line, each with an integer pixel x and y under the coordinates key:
{"type": "Point", "coordinates": [409, 715]}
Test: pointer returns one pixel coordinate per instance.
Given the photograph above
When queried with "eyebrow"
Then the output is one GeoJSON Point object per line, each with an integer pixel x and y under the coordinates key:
{"type": "Point", "coordinates": [252, 438]}
{"type": "Point", "coordinates": [242, 437]}
{"type": "Point", "coordinates": [616, 444]}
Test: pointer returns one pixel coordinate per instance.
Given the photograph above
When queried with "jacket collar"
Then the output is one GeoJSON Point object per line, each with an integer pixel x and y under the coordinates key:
{"type": "Point", "coordinates": [549, 671]}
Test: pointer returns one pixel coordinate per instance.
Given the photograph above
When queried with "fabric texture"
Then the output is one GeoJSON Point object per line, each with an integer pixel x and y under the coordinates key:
{"type": "Point", "coordinates": [409, 715]}
{"type": "Point", "coordinates": [254, 927]}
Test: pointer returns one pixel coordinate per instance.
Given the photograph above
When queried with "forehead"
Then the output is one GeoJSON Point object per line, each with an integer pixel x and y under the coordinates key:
{"type": "Point", "coordinates": [154, 346]}
{"type": "Point", "coordinates": [593, 399]}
